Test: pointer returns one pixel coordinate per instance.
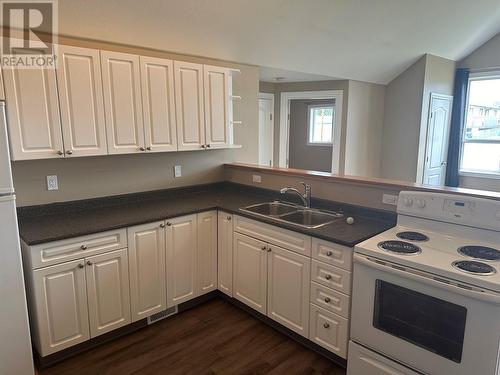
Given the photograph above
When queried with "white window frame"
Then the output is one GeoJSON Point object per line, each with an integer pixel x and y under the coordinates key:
{"type": "Point", "coordinates": [309, 119]}
{"type": "Point", "coordinates": [480, 76]}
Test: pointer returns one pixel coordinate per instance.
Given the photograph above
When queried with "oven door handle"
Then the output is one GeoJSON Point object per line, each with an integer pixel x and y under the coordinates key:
{"type": "Point", "coordinates": [426, 278]}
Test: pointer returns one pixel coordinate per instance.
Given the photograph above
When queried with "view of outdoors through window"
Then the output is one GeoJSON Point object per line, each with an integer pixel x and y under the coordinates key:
{"type": "Point", "coordinates": [481, 138]}
{"type": "Point", "coordinates": [321, 124]}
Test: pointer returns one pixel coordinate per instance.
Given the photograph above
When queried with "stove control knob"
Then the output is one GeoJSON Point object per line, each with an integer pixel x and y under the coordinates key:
{"type": "Point", "coordinates": [420, 203]}
{"type": "Point", "coordinates": [407, 201]}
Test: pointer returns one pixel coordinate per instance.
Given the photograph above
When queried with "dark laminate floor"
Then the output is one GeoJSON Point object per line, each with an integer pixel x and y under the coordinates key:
{"type": "Point", "coordinates": [214, 338]}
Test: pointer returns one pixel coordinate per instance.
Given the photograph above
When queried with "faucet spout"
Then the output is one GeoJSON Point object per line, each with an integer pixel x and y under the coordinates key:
{"type": "Point", "coordinates": [305, 198]}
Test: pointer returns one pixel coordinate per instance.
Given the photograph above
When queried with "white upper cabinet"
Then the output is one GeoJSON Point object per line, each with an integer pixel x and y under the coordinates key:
{"type": "Point", "coordinates": [146, 254]}
{"type": "Point", "coordinates": [122, 102]}
{"type": "Point", "coordinates": [33, 114]}
{"type": "Point", "coordinates": [108, 291]}
{"type": "Point", "coordinates": [216, 87]}
{"type": "Point", "coordinates": [158, 104]}
{"type": "Point", "coordinates": [81, 101]}
{"type": "Point", "coordinates": [189, 105]}
{"type": "Point", "coordinates": [207, 252]}
{"type": "Point", "coordinates": [225, 253]}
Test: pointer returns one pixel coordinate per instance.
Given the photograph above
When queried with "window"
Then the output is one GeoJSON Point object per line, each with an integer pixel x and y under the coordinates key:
{"type": "Point", "coordinates": [481, 136]}
{"type": "Point", "coordinates": [320, 124]}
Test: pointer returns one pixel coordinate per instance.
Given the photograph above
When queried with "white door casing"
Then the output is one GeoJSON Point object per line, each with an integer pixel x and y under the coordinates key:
{"type": "Point", "coordinates": [266, 129]}
{"type": "Point", "coordinates": [207, 252]}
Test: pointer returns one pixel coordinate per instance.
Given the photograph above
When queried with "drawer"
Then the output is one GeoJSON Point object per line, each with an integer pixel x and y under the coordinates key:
{"type": "Point", "coordinates": [329, 330]}
{"type": "Point", "coordinates": [330, 300]}
{"type": "Point", "coordinates": [287, 239]}
{"type": "Point", "coordinates": [76, 248]}
{"type": "Point", "coordinates": [332, 253]}
{"type": "Point", "coordinates": [331, 276]}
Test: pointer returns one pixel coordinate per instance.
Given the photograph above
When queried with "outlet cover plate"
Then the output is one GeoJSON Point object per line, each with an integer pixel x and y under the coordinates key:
{"type": "Point", "coordinates": [52, 183]}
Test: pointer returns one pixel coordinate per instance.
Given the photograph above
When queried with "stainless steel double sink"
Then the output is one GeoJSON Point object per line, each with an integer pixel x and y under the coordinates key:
{"type": "Point", "coordinates": [309, 218]}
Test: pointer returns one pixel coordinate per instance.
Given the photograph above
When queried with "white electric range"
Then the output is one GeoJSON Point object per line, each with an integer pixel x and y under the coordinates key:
{"type": "Point", "coordinates": [426, 293]}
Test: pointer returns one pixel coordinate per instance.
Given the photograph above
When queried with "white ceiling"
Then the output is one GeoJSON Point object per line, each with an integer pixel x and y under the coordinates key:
{"type": "Point", "coordinates": [367, 40]}
{"type": "Point", "coordinates": [282, 75]}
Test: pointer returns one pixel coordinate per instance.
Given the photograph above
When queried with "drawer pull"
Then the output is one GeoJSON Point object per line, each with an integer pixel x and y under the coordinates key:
{"type": "Point", "coordinates": [327, 300]}
{"type": "Point", "coordinates": [83, 247]}
{"type": "Point", "coordinates": [326, 325]}
{"type": "Point", "coordinates": [328, 277]}
{"type": "Point", "coordinates": [329, 253]}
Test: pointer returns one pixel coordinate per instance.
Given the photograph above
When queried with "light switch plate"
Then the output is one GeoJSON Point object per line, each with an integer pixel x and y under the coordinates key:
{"type": "Point", "coordinates": [390, 199]}
{"type": "Point", "coordinates": [177, 171]}
{"type": "Point", "coordinates": [257, 178]}
{"type": "Point", "coordinates": [52, 183]}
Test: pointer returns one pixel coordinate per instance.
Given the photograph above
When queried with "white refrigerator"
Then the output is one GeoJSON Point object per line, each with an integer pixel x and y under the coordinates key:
{"type": "Point", "coordinates": [15, 347]}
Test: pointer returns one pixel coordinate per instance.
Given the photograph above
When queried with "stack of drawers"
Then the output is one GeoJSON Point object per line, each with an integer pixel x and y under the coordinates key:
{"type": "Point", "coordinates": [330, 296]}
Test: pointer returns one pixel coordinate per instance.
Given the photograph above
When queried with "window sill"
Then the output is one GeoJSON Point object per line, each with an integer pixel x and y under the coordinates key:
{"type": "Point", "coordinates": [492, 176]}
{"type": "Point", "coordinates": [320, 144]}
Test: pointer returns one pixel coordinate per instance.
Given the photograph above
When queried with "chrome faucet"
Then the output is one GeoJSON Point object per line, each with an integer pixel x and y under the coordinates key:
{"type": "Point", "coordinates": [305, 198]}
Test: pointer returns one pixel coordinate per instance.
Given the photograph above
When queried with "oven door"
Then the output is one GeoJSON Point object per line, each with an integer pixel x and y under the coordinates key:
{"type": "Point", "coordinates": [431, 325]}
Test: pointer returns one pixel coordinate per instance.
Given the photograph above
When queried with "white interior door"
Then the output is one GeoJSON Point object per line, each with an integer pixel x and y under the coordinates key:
{"type": "Point", "coordinates": [437, 140]}
{"type": "Point", "coordinates": [266, 131]}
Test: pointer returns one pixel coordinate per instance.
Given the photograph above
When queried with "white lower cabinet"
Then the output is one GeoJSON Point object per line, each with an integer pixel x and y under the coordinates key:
{"type": "Point", "coordinates": [146, 254]}
{"type": "Point", "coordinates": [59, 306]}
{"type": "Point", "coordinates": [108, 291]}
{"type": "Point", "coordinates": [225, 253]}
{"type": "Point", "coordinates": [250, 272]}
{"type": "Point", "coordinates": [329, 330]}
{"type": "Point", "coordinates": [288, 276]}
{"type": "Point", "coordinates": [207, 252]}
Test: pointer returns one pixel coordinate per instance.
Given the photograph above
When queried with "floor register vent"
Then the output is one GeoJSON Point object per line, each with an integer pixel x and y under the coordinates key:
{"type": "Point", "coordinates": [162, 315]}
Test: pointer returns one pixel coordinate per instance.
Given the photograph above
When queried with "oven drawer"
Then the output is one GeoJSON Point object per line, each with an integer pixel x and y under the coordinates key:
{"type": "Point", "coordinates": [329, 330]}
{"type": "Point", "coordinates": [332, 253]}
{"type": "Point", "coordinates": [300, 243]}
{"type": "Point", "coordinates": [363, 361]}
{"type": "Point", "coordinates": [330, 299]}
{"type": "Point", "coordinates": [331, 276]}
{"type": "Point", "coordinates": [76, 248]}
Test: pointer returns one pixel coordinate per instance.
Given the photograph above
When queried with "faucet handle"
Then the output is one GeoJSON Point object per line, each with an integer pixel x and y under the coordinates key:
{"type": "Point", "coordinates": [306, 186]}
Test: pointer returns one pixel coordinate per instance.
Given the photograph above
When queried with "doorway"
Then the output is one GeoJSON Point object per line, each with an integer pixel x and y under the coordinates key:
{"type": "Point", "coordinates": [266, 129]}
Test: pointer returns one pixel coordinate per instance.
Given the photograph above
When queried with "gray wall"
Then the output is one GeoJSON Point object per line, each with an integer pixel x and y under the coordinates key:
{"type": "Point", "coordinates": [301, 155]}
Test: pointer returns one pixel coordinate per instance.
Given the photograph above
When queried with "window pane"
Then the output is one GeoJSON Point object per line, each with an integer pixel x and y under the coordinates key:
{"type": "Point", "coordinates": [481, 157]}
{"type": "Point", "coordinates": [483, 115]}
{"type": "Point", "coordinates": [321, 124]}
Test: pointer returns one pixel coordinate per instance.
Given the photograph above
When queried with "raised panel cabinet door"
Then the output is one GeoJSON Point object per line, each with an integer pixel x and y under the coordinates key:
{"type": "Point", "coordinates": [158, 104]}
{"type": "Point", "coordinates": [33, 114]}
{"type": "Point", "coordinates": [82, 105]}
{"type": "Point", "coordinates": [181, 237]}
{"type": "Point", "coordinates": [122, 102]}
{"type": "Point", "coordinates": [225, 253]}
{"type": "Point", "coordinates": [61, 306]}
{"type": "Point", "coordinates": [207, 252]}
{"type": "Point", "coordinates": [288, 279]}
{"type": "Point", "coordinates": [250, 272]}
{"type": "Point", "coordinates": [146, 255]}
{"type": "Point", "coordinates": [216, 94]}
{"type": "Point", "coordinates": [189, 105]}
{"type": "Point", "coordinates": [108, 291]}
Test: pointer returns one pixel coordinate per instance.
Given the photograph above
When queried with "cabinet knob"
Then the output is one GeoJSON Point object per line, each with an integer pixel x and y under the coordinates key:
{"type": "Point", "coordinates": [148, 148]}
{"type": "Point", "coordinates": [60, 153]}
{"type": "Point", "coordinates": [162, 225]}
{"type": "Point", "coordinates": [208, 145]}
{"type": "Point", "coordinates": [69, 152]}
{"type": "Point", "coordinates": [203, 146]}
{"type": "Point", "coordinates": [327, 300]}
{"type": "Point", "coordinates": [328, 277]}
{"type": "Point", "coordinates": [228, 218]}
{"type": "Point", "coordinates": [169, 224]}
{"type": "Point", "coordinates": [326, 325]}
{"type": "Point", "coordinates": [83, 247]}
{"type": "Point", "coordinates": [89, 263]}
{"type": "Point", "coordinates": [142, 149]}
{"type": "Point", "coordinates": [269, 249]}
{"type": "Point", "coordinates": [264, 247]}
{"type": "Point", "coordinates": [329, 253]}
{"type": "Point", "coordinates": [80, 265]}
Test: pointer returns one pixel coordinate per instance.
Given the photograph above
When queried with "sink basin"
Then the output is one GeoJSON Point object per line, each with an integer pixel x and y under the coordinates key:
{"type": "Point", "coordinates": [311, 218]}
{"type": "Point", "coordinates": [273, 209]}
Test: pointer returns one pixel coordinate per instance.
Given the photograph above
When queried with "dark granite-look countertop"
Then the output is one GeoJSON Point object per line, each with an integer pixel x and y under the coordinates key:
{"type": "Point", "coordinates": [45, 223]}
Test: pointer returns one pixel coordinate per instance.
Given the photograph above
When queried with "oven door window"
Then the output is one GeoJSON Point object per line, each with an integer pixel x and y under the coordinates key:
{"type": "Point", "coordinates": [431, 323]}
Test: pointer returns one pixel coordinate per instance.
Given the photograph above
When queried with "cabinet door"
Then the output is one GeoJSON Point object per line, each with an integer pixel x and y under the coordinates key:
{"type": "Point", "coordinates": [288, 278]}
{"type": "Point", "coordinates": [122, 102]}
{"type": "Point", "coordinates": [216, 94]}
{"type": "Point", "coordinates": [189, 105]}
{"type": "Point", "coordinates": [225, 253]}
{"type": "Point", "coordinates": [331, 331]}
{"type": "Point", "coordinates": [181, 235]}
{"type": "Point", "coordinates": [207, 252]}
{"type": "Point", "coordinates": [108, 291]}
{"type": "Point", "coordinates": [250, 272]}
{"type": "Point", "coordinates": [146, 254]}
{"type": "Point", "coordinates": [158, 104]}
{"type": "Point", "coordinates": [61, 306]}
{"type": "Point", "coordinates": [82, 106]}
{"type": "Point", "coordinates": [33, 114]}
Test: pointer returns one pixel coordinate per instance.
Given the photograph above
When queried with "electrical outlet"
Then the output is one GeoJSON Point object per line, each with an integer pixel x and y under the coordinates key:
{"type": "Point", "coordinates": [52, 183]}
{"type": "Point", "coordinates": [390, 199]}
{"type": "Point", "coordinates": [257, 178]}
{"type": "Point", "coordinates": [177, 171]}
